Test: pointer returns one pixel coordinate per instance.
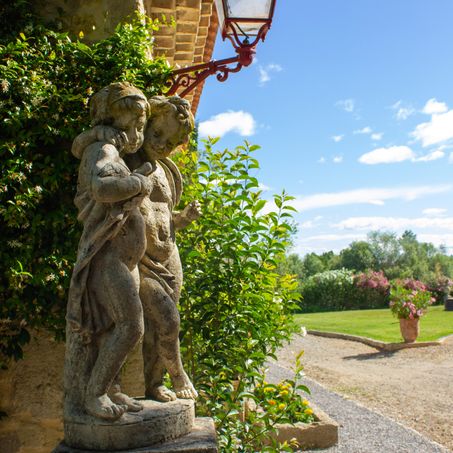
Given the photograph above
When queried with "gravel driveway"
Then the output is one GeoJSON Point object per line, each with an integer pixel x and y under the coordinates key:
{"type": "Point", "coordinates": [411, 386]}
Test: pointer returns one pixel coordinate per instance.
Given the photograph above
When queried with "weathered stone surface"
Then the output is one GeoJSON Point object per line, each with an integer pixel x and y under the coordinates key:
{"type": "Point", "coordinates": [97, 19]}
{"type": "Point", "coordinates": [202, 439]}
{"type": "Point", "coordinates": [323, 433]}
{"type": "Point", "coordinates": [104, 313]}
{"type": "Point", "coordinates": [156, 423]}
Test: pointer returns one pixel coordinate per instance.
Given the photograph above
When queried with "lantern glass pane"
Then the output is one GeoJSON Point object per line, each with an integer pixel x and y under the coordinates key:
{"type": "Point", "coordinates": [248, 9]}
{"type": "Point", "coordinates": [240, 11]}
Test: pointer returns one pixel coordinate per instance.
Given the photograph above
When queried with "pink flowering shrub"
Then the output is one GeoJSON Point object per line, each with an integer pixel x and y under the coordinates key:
{"type": "Point", "coordinates": [412, 284]}
{"type": "Point", "coordinates": [372, 290]}
{"type": "Point", "coordinates": [440, 288]}
{"type": "Point", "coordinates": [373, 280]}
{"type": "Point", "coordinates": [406, 303]}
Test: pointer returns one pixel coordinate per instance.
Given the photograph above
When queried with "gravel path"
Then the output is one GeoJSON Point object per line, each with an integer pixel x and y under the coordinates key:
{"type": "Point", "coordinates": [380, 382]}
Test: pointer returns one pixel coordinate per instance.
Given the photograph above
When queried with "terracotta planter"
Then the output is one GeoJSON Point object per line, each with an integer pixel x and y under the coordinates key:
{"type": "Point", "coordinates": [409, 329]}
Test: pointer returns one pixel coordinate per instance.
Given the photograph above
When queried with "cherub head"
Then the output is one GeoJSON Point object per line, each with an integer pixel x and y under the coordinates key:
{"type": "Point", "coordinates": [169, 126]}
{"type": "Point", "coordinates": [124, 107]}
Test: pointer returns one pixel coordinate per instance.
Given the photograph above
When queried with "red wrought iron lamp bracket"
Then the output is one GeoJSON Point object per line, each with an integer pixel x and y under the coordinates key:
{"type": "Point", "coordinates": [189, 78]}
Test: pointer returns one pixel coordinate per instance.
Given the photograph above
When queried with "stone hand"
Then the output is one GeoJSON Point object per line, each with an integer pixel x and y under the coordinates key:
{"type": "Point", "coordinates": [145, 182]}
{"type": "Point", "coordinates": [192, 211]}
{"type": "Point", "coordinates": [111, 135]}
{"type": "Point", "coordinates": [146, 169]}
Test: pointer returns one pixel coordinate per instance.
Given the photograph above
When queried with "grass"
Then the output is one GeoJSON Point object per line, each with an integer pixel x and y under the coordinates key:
{"type": "Point", "coordinates": [378, 324]}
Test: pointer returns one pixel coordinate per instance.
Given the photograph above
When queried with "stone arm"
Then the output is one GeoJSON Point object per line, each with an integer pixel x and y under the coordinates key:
{"type": "Point", "coordinates": [184, 218]}
{"type": "Point", "coordinates": [108, 186]}
{"type": "Point", "coordinates": [106, 134]}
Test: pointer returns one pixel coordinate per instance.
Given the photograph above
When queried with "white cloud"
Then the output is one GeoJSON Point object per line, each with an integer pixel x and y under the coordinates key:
{"type": "Point", "coordinates": [402, 112]}
{"type": "Point", "coordinates": [332, 237]}
{"type": "Point", "coordinates": [437, 239]}
{"type": "Point", "coordinates": [322, 160]}
{"type": "Point", "coordinates": [439, 129]}
{"type": "Point", "coordinates": [265, 72]}
{"type": "Point", "coordinates": [348, 105]}
{"type": "Point", "coordinates": [394, 223]}
{"type": "Point", "coordinates": [450, 158]}
{"type": "Point", "coordinates": [387, 155]}
{"type": "Point", "coordinates": [374, 196]}
{"type": "Point", "coordinates": [337, 159]}
{"type": "Point", "coordinates": [240, 122]}
{"type": "Point", "coordinates": [264, 187]}
{"type": "Point", "coordinates": [337, 138]}
{"type": "Point", "coordinates": [434, 155]}
{"type": "Point", "coordinates": [434, 212]}
{"type": "Point", "coordinates": [433, 106]}
{"type": "Point", "coordinates": [365, 130]}
{"type": "Point", "coordinates": [377, 136]}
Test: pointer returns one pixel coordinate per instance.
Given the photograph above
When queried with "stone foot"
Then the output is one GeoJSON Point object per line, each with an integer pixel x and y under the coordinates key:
{"type": "Point", "coordinates": [184, 388]}
{"type": "Point", "coordinates": [123, 400]}
{"type": "Point", "coordinates": [103, 407]}
{"type": "Point", "coordinates": [161, 393]}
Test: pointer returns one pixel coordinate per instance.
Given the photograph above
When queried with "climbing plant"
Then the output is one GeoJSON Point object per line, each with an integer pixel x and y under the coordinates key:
{"type": "Point", "coordinates": [46, 80]}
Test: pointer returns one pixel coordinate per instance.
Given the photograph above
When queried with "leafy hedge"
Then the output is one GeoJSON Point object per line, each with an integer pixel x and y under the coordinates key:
{"type": "Point", "coordinates": [343, 290]}
{"type": "Point", "coordinates": [46, 80]}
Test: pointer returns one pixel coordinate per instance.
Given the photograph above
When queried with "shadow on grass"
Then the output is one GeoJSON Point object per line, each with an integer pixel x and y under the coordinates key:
{"type": "Point", "coordinates": [371, 355]}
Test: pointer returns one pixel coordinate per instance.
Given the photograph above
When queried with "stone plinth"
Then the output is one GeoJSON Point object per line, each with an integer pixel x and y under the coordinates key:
{"type": "Point", "coordinates": [156, 423]}
{"type": "Point", "coordinates": [201, 439]}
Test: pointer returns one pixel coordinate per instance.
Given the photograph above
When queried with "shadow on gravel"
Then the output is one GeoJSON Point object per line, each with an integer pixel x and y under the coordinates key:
{"type": "Point", "coordinates": [371, 355]}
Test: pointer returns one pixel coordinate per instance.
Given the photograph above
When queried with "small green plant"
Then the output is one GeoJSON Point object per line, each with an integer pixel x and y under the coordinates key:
{"type": "Point", "coordinates": [283, 401]}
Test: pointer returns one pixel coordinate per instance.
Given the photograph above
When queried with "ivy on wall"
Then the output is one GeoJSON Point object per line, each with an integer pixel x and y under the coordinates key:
{"type": "Point", "coordinates": [46, 80]}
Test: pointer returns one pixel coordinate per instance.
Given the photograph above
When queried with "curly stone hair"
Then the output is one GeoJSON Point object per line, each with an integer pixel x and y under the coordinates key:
{"type": "Point", "coordinates": [116, 97]}
{"type": "Point", "coordinates": [161, 104]}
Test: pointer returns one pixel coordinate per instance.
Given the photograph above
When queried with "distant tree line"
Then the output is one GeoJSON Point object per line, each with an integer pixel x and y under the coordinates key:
{"type": "Point", "coordinates": [397, 257]}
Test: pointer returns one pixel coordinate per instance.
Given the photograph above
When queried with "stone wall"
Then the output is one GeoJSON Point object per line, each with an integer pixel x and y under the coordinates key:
{"type": "Point", "coordinates": [190, 41]}
{"type": "Point", "coordinates": [96, 18]}
{"type": "Point", "coordinates": [31, 393]}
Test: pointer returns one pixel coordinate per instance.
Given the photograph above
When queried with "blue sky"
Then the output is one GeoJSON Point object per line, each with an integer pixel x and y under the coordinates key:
{"type": "Point", "coordinates": [352, 104]}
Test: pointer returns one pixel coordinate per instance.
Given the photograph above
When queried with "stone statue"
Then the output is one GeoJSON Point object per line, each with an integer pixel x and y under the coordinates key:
{"type": "Point", "coordinates": [169, 126]}
{"type": "Point", "coordinates": [160, 269]}
{"type": "Point", "coordinates": [105, 314]}
{"type": "Point", "coordinates": [127, 279]}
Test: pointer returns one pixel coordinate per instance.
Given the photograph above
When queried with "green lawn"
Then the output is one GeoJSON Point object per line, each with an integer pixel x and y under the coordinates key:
{"type": "Point", "coordinates": [378, 324]}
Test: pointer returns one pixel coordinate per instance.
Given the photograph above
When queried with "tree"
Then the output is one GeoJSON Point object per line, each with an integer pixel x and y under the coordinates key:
{"type": "Point", "coordinates": [386, 251]}
{"type": "Point", "coordinates": [313, 264]}
{"type": "Point", "coordinates": [358, 257]}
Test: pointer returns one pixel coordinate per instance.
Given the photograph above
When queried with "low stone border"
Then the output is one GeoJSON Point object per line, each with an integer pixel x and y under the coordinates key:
{"type": "Point", "coordinates": [378, 344]}
{"type": "Point", "coordinates": [322, 433]}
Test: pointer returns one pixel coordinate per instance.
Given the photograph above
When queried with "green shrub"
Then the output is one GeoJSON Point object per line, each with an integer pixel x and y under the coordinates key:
{"type": "Point", "coordinates": [342, 290]}
{"type": "Point", "coordinates": [328, 291]}
{"type": "Point", "coordinates": [235, 308]}
{"type": "Point", "coordinates": [45, 83]}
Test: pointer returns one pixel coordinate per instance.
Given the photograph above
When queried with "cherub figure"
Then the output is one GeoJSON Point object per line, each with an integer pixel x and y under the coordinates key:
{"type": "Point", "coordinates": [169, 126]}
{"type": "Point", "coordinates": [105, 314]}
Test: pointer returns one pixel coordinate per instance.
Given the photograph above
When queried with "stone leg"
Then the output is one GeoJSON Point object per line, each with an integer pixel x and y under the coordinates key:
{"type": "Point", "coordinates": [161, 344]}
{"type": "Point", "coordinates": [116, 287]}
{"type": "Point", "coordinates": [81, 357]}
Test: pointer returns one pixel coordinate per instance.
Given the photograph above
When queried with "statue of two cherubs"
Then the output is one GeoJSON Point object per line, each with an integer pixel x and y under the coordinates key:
{"type": "Point", "coordinates": [127, 279]}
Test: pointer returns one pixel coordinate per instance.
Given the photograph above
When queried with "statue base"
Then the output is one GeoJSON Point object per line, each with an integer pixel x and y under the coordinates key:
{"type": "Point", "coordinates": [156, 423]}
{"type": "Point", "coordinates": [201, 439]}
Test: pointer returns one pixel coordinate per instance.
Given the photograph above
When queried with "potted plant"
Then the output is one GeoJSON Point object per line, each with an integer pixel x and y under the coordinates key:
{"type": "Point", "coordinates": [409, 301]}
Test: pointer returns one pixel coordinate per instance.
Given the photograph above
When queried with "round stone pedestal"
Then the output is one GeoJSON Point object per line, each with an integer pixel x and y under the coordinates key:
{"type": "Point", "coordinates": [156, 423]}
